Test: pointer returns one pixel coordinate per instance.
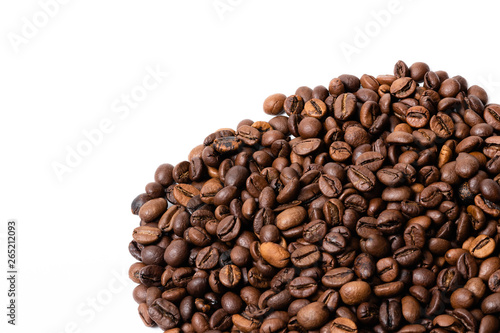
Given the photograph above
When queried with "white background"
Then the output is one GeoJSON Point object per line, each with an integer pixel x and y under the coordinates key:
{"type": "Point", "coordinates": [69, 73]}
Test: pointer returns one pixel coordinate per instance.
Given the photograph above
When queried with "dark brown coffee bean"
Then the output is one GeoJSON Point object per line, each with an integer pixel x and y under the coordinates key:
{"type": "Point", "coordinates": [375, 245]}
{"type": "Point", "coordinates": [330, 186]}
{"type": "Point", "coordinates": [229, 228]}
{"type": "Point", "coordinates": [494, 281]}
{"type": "Point", "coordinates": [150, 275]}
{"type": "Point", "coordinates": [313, 315]}
{"type": "Point", "coordinates": [340, 151]}
{"type": "Point", "coordinates": [144, 314]}
{"type": "Point", "coordinates": [387, 269]}
{"type": "Point", "coordinates": [390, 289]}
{"type": "Point", "coordinates": [371, 160]}
{"type": "Point", "coordinates": [408, 256]}
{"type": "Point", "coordinates": [361, 177]}
{"type": "Point", "coordinates": [305, 256]}
{"type": "Point", "coordinates": [491, 304]}
{"type": "Point", "coordinates": [306, 147]}
{"type": "Point", "coordinates": [290, 218]}
{"type": "Point", "coordinates": [403, 87]}
{"type": "Point", "coordinates": [302, 287]}
{"type": "Point", "coordinates": [207, 258]}
{"type": "Point", "coordinates": [442, 125]}
{"type": "Point", "coordinates": [230, 276]}
{"type": "Point", "coordinates": [345, 105]}
{"type": "Point", "coordinates": [314, 231]}
{"type": "Point", "coordinates": [390, 314]}
{"type": "Point", "coordinates": [467, 266]}
{"type": "Point", "coordinates": [417, 116]}
{"type": "Point", "coordinates": [177, 253]}
{"type": "Point", "coordinates": [293, 104]}
{"type": "Point", "coordinates": [448, 279]}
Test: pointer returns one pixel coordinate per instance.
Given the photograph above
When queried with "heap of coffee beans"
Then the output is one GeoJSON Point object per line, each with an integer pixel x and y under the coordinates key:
{"type": "Point", "coordinates": [371, 206]}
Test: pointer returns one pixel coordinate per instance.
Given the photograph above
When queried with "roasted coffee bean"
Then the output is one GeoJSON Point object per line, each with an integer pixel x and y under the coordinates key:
{"type": "Point", "coordinates": [290, 218]}
{"type": "Point", "coordinates": [417, 116]}
{"type": "Point", "coordinates": [165, 314]}
{"type": "Point", "coordinates": [229, 228]}
{"type": "Point", "coordinates": [302, 287]}
{"type": "Point", "coordinates": [177, 253]}
{"type": "Point", "coordinates": [305, 256]}
{"type": "Point", "coordinates": [390, 314]}
{"type": "Point", "coordinates": [482, 246]}
{"type": "Point", "coordinates": [371, 206]}
{"type": "Point", "coordinates": [361, 178]}
{"type": "Point", "coordinates": [144, 314]}
{"type": "Point", "coordinates": [146, 235]}
{"type": "Point", "coordinates": [343, 325]}
{"type": "Point", "coordinates": [274, 254]}
{"type": "Point", "coordinates": [408, 255]}
{"type": "Point", "coordinates": [403, 87]}
{"type": "Point", "coordinates": [230, 275]}
{"type": "Point", "coordinates": [491, 304]}
{"type": "Point", "coordinates": [313, 316]}
{"type": "Point", "coordinates": [355, 292]}
{"type": "Point", "coordinates": [274, 104]}
{"type": "Point", "coordinates": [345, 105]}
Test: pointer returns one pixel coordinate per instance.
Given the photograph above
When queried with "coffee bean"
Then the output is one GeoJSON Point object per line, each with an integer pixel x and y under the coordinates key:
{"type": "Point", "coordinates": [390, 314]}
{"type": "Point", "coordinates": [229, 228]}
{"type": "Point", "coordinates": [408, 255]}
{"type": "Point", "coordinates": [177, 252]}
{"type": "Point", "coordinates": [245, 323]}
{"type": "Point", "coordinates": [461, 299]}
{"type": "Point", "coordinates": [417, 116]}
{"type": "Point", "coordinates": [314, 108]}
{"type": "Point", "coordinates": [144, 314]}
{"type": "Point", "coordinates": [152, 209]}
{"type": "Point", "coordinates": [164, 313]}
{"type": "Point", "coordinates": [274, 104]}
{"type": "Point", "coordinates": [355, 292]}
{"type": "Point", "coordinates": [340, 151]}
{"type": "Point", "coordinates": [373, 202]}
{"type": "Point", "coordinates": [302, 287]}
{"type": "Point", "coordinates": [494, 281]}
{"type": "Point", "coordinates": [345, 105]}
{"type": "Point", "coordinates": [313, 315]}
{"type": "Point", "coordinates": [361, 178]}
{"type": "Point", "coordinates": [403, 87]}
{"type": "Point", "coordinates": [184, 192]}
{"type": "Point", "coordinates": [152, 255]}
{"type": "Point", "coordinates": [305, 256]}
{"type": "Point", "coordinates": [491, 304]}
{"type": "Point", "coordinates": [290, 217]}
{"type": "Point", "coordinates": [274, 254]}
{"type": "Point", "coordinates": [343, 325]}
{"type": "Point", "coordinates": [482, 246]}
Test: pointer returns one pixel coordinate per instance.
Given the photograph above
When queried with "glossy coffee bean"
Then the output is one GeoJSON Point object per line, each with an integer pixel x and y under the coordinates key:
{"type": "Point", "coordinates": [371, 206]}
